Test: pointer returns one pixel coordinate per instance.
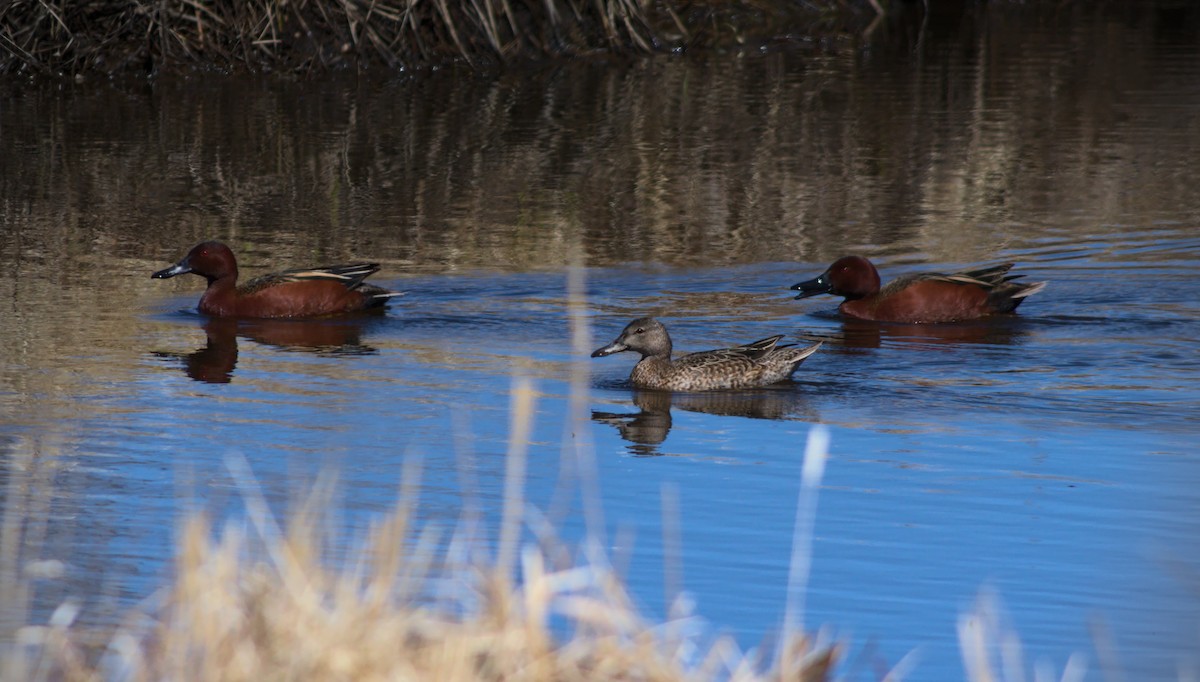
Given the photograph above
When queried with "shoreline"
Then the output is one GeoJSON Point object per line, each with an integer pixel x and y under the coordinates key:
{"type": "Point", "coordinates": [69, 40]}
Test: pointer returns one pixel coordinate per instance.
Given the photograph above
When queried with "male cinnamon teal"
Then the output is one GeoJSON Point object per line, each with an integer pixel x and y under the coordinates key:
{"type": "Point", "coordinates": [754, 364]}
{"type": "Point", "coordinates": [309, 292]}
{"type": "Point", "coordinates": [925, 297]}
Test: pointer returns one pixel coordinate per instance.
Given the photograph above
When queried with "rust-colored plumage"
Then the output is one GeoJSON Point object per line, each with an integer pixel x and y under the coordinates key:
{"type": "Point", "coordinates": [307, 292]}
{"type": "Point", "coordinates": [925, 297]}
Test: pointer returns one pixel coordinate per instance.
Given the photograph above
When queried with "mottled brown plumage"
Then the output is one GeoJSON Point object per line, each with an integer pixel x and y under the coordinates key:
{"type": "Point", "coordinates": [755, 364]}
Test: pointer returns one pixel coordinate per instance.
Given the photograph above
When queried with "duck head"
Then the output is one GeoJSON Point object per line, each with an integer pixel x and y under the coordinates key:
{"type": "Point", "coordinates": [210, 260]}
{"type": "Point", "coordinates": [644, 335]}
{"type": "Point", "coordinates": [849, 276]}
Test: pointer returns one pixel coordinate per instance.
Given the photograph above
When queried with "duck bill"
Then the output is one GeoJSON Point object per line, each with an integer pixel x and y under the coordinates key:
{"type": "Point", "coordinates": [179, 268]}
{"type": "Point", "coordinates": [813, 287]}
{"type": "Point", "coordinates": [614, 347]}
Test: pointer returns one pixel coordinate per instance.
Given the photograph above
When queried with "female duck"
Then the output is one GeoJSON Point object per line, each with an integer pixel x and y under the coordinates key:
{"type": "Point", "coordinates": [311, 292]}
{"type": "Point", "coordinates": [926, 297]}
{"type": "Point", "coordinates": [755, 364]}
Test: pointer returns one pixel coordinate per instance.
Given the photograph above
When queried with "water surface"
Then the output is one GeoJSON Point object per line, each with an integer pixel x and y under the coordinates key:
{"type": "Point", "coordinates": [1049, 455]}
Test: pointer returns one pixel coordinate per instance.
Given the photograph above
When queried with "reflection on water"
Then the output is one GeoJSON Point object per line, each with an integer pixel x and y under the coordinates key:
{"type": "Point", "coordinates": [998, 330]}
{"type": "Point", "coordinates": [1051, 454]}
{"type": "Point", "coordinates": [787, 155]}
{"type": "Point", "coordinates": [648, 428]}
{"type": "Point", "coordinates": [215, 361]}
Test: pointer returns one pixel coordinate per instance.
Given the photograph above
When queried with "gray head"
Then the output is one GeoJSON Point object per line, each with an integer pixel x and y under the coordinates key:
{"type": "Point", "coordinates": [645, 335]}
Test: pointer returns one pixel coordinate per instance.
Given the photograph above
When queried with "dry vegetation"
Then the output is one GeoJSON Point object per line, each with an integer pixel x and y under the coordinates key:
{"type": "Point", "coordinates": [254, 601]}
{"type": "Point", "coordinates": [76, 36]}
{"type": "Point", "coordinates": [257, 602]}
{"type": "Point", "coordinates": [246, 608]}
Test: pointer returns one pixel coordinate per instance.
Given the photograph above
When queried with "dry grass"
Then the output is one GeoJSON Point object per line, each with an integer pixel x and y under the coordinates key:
{"type": "Point", "coordinates": [77, 36]}
{"type": "Point", "coordinates": [256, 601]}
{"type": "Point", "coordinates": [268, 605]}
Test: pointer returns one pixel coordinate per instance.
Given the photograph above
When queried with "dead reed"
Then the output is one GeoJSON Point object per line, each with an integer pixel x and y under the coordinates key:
{"type": "Point", "coordinates": [258, 601]}
{"type": "Point", "coordinates": [65, 37]}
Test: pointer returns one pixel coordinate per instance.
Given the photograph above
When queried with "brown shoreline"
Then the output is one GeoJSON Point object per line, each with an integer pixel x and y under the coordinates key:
{"type": "Point", "coordinates": [64, 38]}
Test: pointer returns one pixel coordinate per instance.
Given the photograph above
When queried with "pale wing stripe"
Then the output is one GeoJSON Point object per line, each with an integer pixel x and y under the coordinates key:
{"type": "Point", "coordinates": [322, 274]}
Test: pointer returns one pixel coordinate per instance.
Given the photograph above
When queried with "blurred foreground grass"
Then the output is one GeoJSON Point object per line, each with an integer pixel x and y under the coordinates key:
{"type": "Point", "coordinates": [391, 612]}
{"type": "Point", "coordinates": [262, 600]}
{"type": "Point", "coordinates": [256, 600]}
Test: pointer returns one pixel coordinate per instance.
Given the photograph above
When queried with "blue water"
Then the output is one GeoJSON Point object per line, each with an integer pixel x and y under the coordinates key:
{"type": "Point", "coordinates": [1049, 457]}
{"type": "Point", "coordinates": [1062, 476]}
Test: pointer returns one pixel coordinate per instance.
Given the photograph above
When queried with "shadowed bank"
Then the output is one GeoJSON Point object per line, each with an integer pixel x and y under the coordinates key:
{"type": "Point", "coordinates": [68, 37]}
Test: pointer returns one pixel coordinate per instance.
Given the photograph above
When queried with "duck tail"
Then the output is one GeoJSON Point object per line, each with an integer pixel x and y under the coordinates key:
{"type": "Point", "coordinates": [1029, 289]}
{"type": "Point", "coordinates": [1006, 298]}
{"type": "Point", "coordinates": [377, 297]}
{"type": "Point", "coordinates": [799, 355]}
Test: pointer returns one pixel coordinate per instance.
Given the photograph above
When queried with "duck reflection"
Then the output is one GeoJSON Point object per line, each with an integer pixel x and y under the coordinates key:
{"type": "Point", "coordinates": [647, 429]}
{"type": "Point", "coordinates": [996, 330]}
{"type": "Point", "coordinates": [214, 363]}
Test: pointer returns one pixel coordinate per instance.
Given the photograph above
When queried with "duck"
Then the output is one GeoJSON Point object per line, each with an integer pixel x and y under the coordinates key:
{"type": "Point", "coordinates": [302, 293]}
{"type": "Point", "coordinates": [756, 364]}
{"type": "Point", "coordinates": [928, 297]}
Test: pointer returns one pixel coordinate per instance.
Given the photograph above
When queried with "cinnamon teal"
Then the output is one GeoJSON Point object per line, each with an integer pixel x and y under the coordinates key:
{"type": "Point", "coordinates": [919, 298]}
{"type": "Point", "coordinates": [754, 364]}
{"type": "Point", "coordinates": [307, 292]}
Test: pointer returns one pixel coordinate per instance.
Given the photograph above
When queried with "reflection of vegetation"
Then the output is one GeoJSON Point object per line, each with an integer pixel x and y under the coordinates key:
{"type": "Point", "coordinates": [692, 160]}
{"type": "Point", "coordinates": [107, 35]}
{"type": "Point", "coordinates": [956, 148]}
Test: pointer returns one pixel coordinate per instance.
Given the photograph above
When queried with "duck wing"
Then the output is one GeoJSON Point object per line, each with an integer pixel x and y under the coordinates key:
{"type": "Point", "coordinates": [349, 275]}
{"type": "Point", "coordinates": [986, 278]}
{"type": "Point", "coordinates": [727, 359]}
{"type": "Point", "coordinates": [756, 349]}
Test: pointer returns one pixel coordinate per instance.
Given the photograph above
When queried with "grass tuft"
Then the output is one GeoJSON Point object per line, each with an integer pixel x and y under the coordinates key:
{"type": "Point", "coordinates": [253, 602]}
